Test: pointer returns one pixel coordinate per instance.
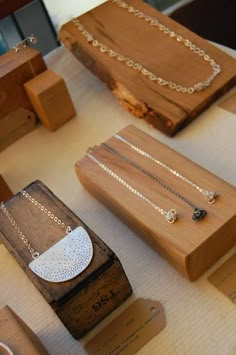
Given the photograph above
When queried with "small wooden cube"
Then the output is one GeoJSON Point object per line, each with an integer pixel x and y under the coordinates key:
{"type": "Point", "coordinates": [50, 99]}
{"type": "Point", "coordinates": [15, 334]}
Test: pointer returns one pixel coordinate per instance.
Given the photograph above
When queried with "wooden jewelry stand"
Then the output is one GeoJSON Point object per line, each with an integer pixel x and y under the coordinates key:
{"type": "Point", "coordinates": [17, 115]}
{"type": "Point", "coordinates": [191, 247]}
{"type": "Point", "coordinates": [84, 301]}
{"type": "Point", "coordinates": [164, 108]}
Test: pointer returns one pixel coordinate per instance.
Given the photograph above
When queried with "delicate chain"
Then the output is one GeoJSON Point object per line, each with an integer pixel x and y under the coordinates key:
{"type": "Point", "coordinates": [46, 211]}
{"type": "Point", "coordinates": [169, 215]}
{"type": "Point", "coordinates": [43, 209]}
{"type": "Point", "coordinates": [198, 213]}
{"type": "Point", "coordinates": [209, 195]}
{"type": "Point", "coordinates": [143, 70]}
{"type": "Point", "coordinates": [33, 253]}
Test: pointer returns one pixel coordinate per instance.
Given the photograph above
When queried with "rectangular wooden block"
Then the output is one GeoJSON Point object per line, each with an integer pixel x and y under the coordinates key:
{"type": "Point", "coordinates": [191, 247]}
{"type": "Point", "coordinates": [84, 301]}
{"type": "Point", "coordinates": [159, 53]}
{"type": "Point", "coordinates": [50, 98]}
{"type": "Point", "coordinates": [15, 125]}
{"type": "Point", "coordinates": [16, 334]}
{"type": "Point", "coordinates": [5, 192]}
{"type": "Point", "coordinates": [17, 115]}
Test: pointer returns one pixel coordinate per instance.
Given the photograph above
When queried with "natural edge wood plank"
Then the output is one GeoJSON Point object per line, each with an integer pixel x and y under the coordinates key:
{"type": "Point", "coordinates": [164, 108]}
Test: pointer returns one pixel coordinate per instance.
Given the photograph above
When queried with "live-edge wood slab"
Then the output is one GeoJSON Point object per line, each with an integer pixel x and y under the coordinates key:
{"type": "Point", "coordinates": [121, 31]}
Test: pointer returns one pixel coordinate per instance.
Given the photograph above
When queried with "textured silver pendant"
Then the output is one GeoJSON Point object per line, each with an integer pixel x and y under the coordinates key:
{"type": "Point", "coordinates": [66, 259]}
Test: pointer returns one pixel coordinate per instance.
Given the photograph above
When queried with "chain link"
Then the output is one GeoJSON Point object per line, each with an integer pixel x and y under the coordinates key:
{"type": "Point", "coordinates": [46, 211]}
{"type": "Point", "coordinates": [169, 215]}
{"type": "Point", "coordinates": [198, 213]}
{"type": "Point", "coordinates": [34, 253]}
{"type": "Point", "coordinates": [43, 209]}
{"type": "Point", "coordinates": [209, 195]}
{"type": "Point", "coordinates": [216, 69]}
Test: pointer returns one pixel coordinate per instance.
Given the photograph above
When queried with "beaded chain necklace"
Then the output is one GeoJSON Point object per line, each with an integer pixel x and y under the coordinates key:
{"type": "Point", "coordinates": [131, 63]}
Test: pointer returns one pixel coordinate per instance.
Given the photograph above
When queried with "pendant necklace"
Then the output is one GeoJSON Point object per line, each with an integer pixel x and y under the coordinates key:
{"type": "Point", "coordinates": [131, 63]}
{"type": "Point", "coordinates": [170, 215]}
{"type": "Point", "coordinates": [198, 213]}
{"type": "Point", "coordinates": [63, 261]}
{"type": "Point", "coordinates": [210, 196]}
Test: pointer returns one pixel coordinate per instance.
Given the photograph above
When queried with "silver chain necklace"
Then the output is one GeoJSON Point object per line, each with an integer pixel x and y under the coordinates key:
{"type": "Point", "coordinates": [170, 215]}
{"type": "Point", "coordinates": [64, 260]}
{"type": "Point", "coordinates": [142, 69]}
{"type": "Point", "coordinates": [198, 213]}
{"type": "Point", "coordinates": [210, 196]}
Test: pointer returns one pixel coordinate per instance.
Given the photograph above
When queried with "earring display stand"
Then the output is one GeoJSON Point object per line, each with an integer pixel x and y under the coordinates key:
{"type": "Point", "coordinates": [85, 300]}
{"type": "Point", "coordinates": [124, 33]}
{"type": "Point", "coordinates": [191, 247]}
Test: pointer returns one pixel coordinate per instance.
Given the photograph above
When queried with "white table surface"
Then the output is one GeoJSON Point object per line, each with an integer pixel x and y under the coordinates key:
{"type": "Point", "coordinates": [200, 320]}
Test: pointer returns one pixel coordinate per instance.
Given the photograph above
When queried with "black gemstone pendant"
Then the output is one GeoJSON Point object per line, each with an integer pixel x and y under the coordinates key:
{"type": "Point", "coordinates": [199, 214]}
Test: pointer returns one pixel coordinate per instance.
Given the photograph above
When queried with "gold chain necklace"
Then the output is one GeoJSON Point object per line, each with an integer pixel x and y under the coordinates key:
{"type": "Point", "coordinates": [142, 69]}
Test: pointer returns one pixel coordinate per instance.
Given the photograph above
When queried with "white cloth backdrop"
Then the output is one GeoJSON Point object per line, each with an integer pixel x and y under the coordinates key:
{"type": "Point", "coordinates": [200, 320]}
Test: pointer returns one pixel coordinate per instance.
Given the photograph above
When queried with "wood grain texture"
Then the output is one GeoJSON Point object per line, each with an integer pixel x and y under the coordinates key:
{"type": "Point", "coordinates": [50, 99]}
{"type": "Point", "coordinates": [15, 70]}
{"type": "Point", "coordinates": [15, 125]}
{"type": "Point", "coordinates": [191, 247]}
{"type": "Point", "coordinates": [165, 109]}
{"type": "Point", "coordinates": [69, 299]}
{"type": "Point", "coordinates": [17, 115]}
{"type": "Point", "coordinates": [5, 192]}
{"type": "Point", "coordinates": [17, 335]}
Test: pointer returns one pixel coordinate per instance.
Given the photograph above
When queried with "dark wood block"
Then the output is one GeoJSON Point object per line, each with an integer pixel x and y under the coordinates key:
{"type": "Point", "coordinates": [121, 31]}
{"type": "Point", "coordinates": [84, 301]}
{"type": "Point", "coordinates": [191, 247]}
{"type": "Point", "coordinates": [5, 192]}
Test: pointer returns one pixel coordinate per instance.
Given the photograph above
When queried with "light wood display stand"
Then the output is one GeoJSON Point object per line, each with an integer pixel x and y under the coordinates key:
{"type": "Point", "coordinates": [16, 334]}
{"type": "Point", "coordinates": [191, 247]}
{"type": "Point", "coordinates": [85, 300]}
{"type": "Point", "coordinates": [166, 109]}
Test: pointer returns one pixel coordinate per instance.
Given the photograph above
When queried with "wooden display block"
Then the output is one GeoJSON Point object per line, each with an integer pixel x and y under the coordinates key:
{"type": "Point", "coordinates": [16, 125]}
{"type": "Point", "coordinates": [5, 192]}
{"type": "Point", "coordinates": [191, 247]}
{"type": "Point", "coordinates": [17, 116]}
{"type": "Point", "coordinates": [50, 98]}
{"type": "Point", "coordinates": [121, 31]}
{"type": "Point", "coordinates": [84, 301]}
{"type": "Point", "coordinates": [17, 335]}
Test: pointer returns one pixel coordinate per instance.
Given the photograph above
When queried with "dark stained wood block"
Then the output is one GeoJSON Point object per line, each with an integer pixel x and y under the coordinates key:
{"type": "Point", "coordinates": [84, 301]}
{"type": "Point", "coordinates": [5, 192]}
{"type": "Point", "coordinates": [17, 116]}
{"type": "Point", "coordinates": [124, 33]}
{"type": "Point", "coordinates": [191, 247]}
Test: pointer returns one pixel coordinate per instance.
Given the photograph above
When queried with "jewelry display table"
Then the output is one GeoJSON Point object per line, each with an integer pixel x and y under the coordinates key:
{"type": "Point", "coordinates": [200, 320]}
